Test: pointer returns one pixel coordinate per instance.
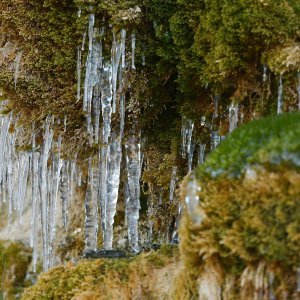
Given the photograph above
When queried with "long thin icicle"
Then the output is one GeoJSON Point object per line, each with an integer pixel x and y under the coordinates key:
{"type": "Point", "coordinates": [173, 183]}
{"type": "Point", "coordinates": [233, 116]}
{"type": "Point", "coordinates": [133, 167]}
{"type": "Point", "coordinates": [116, 53]}
{"type": "Point", "coordinates": [133, 41]}
{"type": "Point", "coordinates": [65, 193]}
{"type": "Point", "coordinates": [87, 84]}
{"type": "Point", "coordinates": [48, 135]}
{"type": "Point", "coordinates": [91, 211]}
{"type": "Point", "coordinates": [113, 182]}
{"type": "Point", "coordinates": [201, 153]}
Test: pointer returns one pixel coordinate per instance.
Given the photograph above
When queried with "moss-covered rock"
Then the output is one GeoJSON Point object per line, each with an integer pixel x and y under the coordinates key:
{"type": "Point", "coordinates": [15, 259]}
{"type": "Point", "coordinates": [248, 226]}
{"type": "Point", "coordinates": [147, 276]}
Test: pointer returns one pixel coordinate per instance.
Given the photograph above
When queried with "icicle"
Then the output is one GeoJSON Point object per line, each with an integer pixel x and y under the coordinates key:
{"type": "Point", "coordinates": [190, 156]}
{"type": "Point", "coordinates": [123, 47]}
{"type": "Point", "coordinates": [79, 177]}
{"type": "Point", "coordinates": [203, 120]}
{"type": "Point", "coordinates": [233, 116]}
{"type": "Point", "coordinates": [201, 153]}
{"type": "Point", "coordinates": [216, 105]}
{"type": "Point", "coordinates": [65, 193]}
{"type": "Point", "coordinates": [48, 135]}
{"type": "Point", "coordinates": [57, 164]}
{"type": "Point", "coordinates": [106, 99]}
{"type": "Point", "coordinates": [83, 41]}
{"type": "Point", "coordinates": [173, 183]}
{"type": "Point", "coordinates": [271, 286]}
{"type": "Point", "coordinates": [280, 96]}
{"type": "Point", "coordinates": [79, 13]}
{"type": "Point", "coordinates": [143, 60]}
{"type": "Point", "coordinates": [91, 212]}
{"type": "Point", "coordinates": [17, 67]}
{"type": "Point", "coordinates": [65, 123]}
{"type": "Point", "coordinates": [265, 73]}
{"type": "Point", "coordinates": [122, 101]}
{"type": "Point", "coordinates": [113, 182]}
{"type": "Point", "coordinates": [215, 139]}
{"type": "Point", "coordinates": [5, 124]}
{"type": "Point", "coordinates": [96, 105]}
{"type": "Point", "coordinates": [10, 180]}
{"type": "Point", "coordinates": [122, 114]}
{"type": "Point", "coordinates": [133, 161]}
{"type": "Point", "coordinates": [22, 181]}
{"type": "Point", "coordinates": [103, 165]}
{"type": "Point", "coordinates": [192, 201]}
{"type": "Point", "coordinates": [133, 41]}
{"type": "Point", "coordinates": [116, 53]}
{"type": "Point", "coordinates": [72, 178]}
{"type": "Point", "coordinates": [35, 201]}
{"type": "Point", "coordinates": [87, 96]}
{"type": "Point", "coordinates": [78, 73]}
{"type": "Point", "coordinates": [298, 90]}
{"type": "Point", "coordinates": [186, 134]}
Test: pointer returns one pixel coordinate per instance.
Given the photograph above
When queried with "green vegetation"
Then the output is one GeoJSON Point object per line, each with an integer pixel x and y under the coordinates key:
{"type": "Point", "coordinates": [15, 259]}
{"type": "Point", "coordinates": [194, 51]}
{"type": "Point", "coordinates": [251, 220]}
{"type": "Point", "coordinates": [268, 142]}
{"type": "Point", "coordinates": [140, 276]}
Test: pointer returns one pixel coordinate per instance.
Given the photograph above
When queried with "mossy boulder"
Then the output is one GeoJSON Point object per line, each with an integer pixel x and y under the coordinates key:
{"type": "Point", "coordinates": [15, 259]}
{"type": "Point", "coordinates": [146, 276]}
{"type": "Point", "coordinates": [244, 225]}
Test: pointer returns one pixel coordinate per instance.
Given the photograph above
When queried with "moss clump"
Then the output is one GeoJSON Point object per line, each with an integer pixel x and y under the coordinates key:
{"type": "Point", "coordinates": [251, 209]}
{"type": "Point", "coordinates": [270, 142]}
{"type": "Point", "coordinates": [15, 259]}
{"type": "Point", "coordinates": [130, 278]}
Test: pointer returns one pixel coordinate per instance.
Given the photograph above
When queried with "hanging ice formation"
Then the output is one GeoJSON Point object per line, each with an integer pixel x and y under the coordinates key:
{"type": "Point", "coordinates": [103, 88]}
{"type": "Point", "coordinates": [216, 106]}
{"type": "Point", "coordinates": [133, 41]}
{"type": "Point", "coordinates": [215, 139]}
{"type": "Point", "coordinates": [265, 68]}
{"type": "Point", "coordinates": [187, 145]}
{"type": "Point", "coordinates": [233, 116]}
{"type": "Point", "coordinates": [201, 153]}
{"type": "Point", "coordinates": [280, 96]}
{"type": "Point", "coordinates": [133, 168]}
{"type": "Point", "coordinates": [173, 183]}
{"type": "Point", "coordinates": [192, 201]}
{"type": "Point", "coordinates": [91, 208]}
{"type": "Point", "coordinates": [52, 179]}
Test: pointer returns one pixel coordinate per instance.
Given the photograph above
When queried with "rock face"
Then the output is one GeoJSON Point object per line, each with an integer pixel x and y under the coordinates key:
{"type": "Point", "coordinates": [247, 194]}
{"type": "Point", "coordinates": [100, 253]}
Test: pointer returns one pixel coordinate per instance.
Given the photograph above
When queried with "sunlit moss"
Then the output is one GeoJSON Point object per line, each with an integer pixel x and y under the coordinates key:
{"type": "Point", "coordinates": [109, 278]}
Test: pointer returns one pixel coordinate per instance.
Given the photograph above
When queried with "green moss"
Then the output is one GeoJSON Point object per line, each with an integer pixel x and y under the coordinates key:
{"type": "Point", "coordinates": [103, 278]}
{"type": "Point", "coordinates": [269, 142]}
{"type": "Point", "coordinates": [249, 197]}
{"type": "Point", "coordinates": [15, 259]}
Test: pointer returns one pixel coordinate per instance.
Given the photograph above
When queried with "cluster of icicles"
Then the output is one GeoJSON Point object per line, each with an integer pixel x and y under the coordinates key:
{"type": "Point", "coordinates": [103, 95]}
{"type": "Point", "coordinates": [28, 174]}
{"type": "Point", "coordinates": [49, 181]}
{"type": "Point", "coordinates": [188, 144]}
